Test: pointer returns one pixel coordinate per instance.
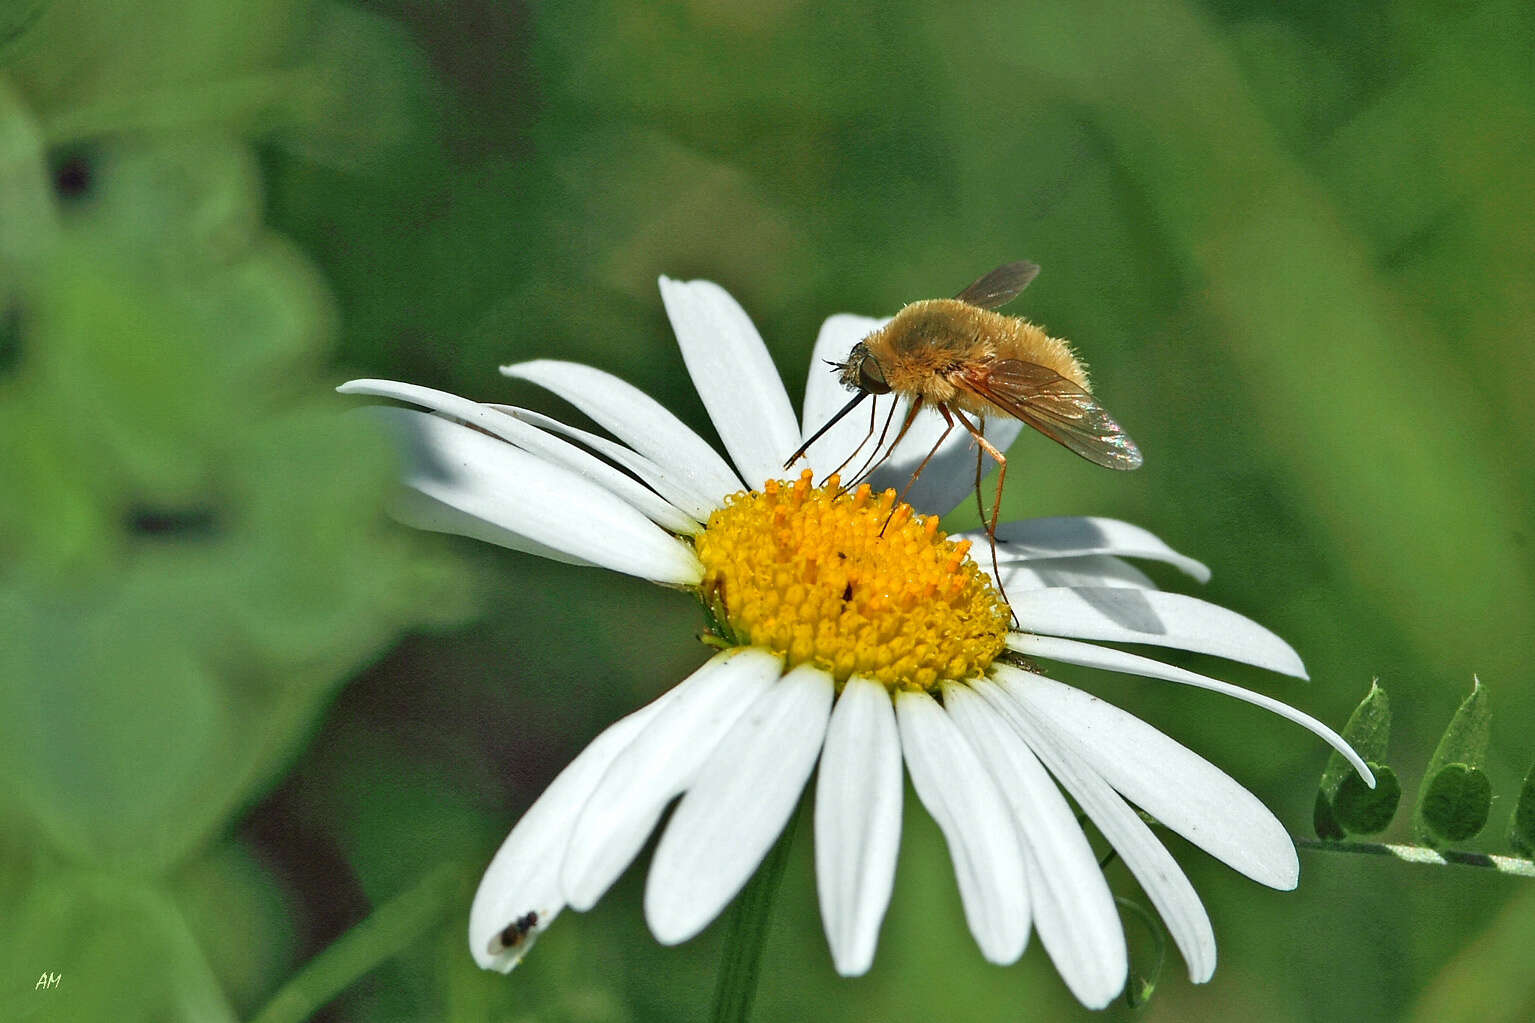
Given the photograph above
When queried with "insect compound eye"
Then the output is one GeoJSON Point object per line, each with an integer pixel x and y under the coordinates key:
{"type": "Point", "coordinates": [871, 377]}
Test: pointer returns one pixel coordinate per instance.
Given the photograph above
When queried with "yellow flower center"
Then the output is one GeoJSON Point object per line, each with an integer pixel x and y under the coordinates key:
{"type": "Point", "coordinates": [852, 582]}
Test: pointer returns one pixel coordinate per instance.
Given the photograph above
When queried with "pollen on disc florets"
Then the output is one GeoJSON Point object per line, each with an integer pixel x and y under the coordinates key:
{"type": "Point", "coordinates": [851, 581]}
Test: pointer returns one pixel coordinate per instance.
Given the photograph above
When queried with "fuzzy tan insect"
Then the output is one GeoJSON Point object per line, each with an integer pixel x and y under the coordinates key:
{"type": "Point", "coordinates": [965, 359]}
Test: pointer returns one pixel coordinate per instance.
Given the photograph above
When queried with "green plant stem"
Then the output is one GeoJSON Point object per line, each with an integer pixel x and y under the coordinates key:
{"type": "Point", "coordinates": [746, 933]}
{"type": "Point", "coordinates": [1422, 854]}
{"type": "Point", "coordinates": [1140, 984]}
{"type": "Point", "coordinates": [392, 926]}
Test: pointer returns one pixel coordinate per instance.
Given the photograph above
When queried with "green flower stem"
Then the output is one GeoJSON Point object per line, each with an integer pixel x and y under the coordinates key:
{"type": "Point", "coordinates": [1422, 854]}
{"type": "Point", "coordinates": [746, 933]}
{"type": "Point", "coordinates": [1141, 983]}
{"type": "Point", "coordinates": [391, 928]}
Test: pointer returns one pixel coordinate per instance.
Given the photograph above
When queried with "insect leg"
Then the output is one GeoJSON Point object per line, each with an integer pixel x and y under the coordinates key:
{"type": "Point", "coordinates": [980, 509]}
{"type": "Point", "coordinates": [911, 416]}
{"type": "Point", "coordinates": [870, 463]}
{"type": "Point", "coordinates": [996, 503]}
{"type": "Point", "coordinates": [943, 410]}
{"type": "Point", "coordinates": [873, 412]}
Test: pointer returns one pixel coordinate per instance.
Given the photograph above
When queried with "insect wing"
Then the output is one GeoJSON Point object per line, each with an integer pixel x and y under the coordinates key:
{"type": "Point", "coordinates": [1055, 407]}
{"type": "Point", "coordinates": [1001, 286]}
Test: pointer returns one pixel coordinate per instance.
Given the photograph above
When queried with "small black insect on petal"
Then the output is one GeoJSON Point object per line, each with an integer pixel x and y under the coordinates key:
{"type": "Point", "coordinates": [518, 929]}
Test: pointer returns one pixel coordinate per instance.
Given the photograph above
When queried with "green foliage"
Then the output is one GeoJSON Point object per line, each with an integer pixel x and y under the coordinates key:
{"type": "Point", "coordinates": [193, 550]}
{"type": "Point", "coordinates": [229, 885]}
{"type": "Point", "coordinates": [326, 80]}
{"type": "Point", "coordinates": [1455, 802]}
{"type": "Point", "coordinates": [1521, 825]}
{"type": "Point", "coordinates": [1361, 810]}
{"type": "Point", "coordinates": [1292, 241]}
{"type": "Point", "coordinates": [121, 950]}
{"type": "Point", "coordinates": [17, 18]}
{"type": "Point", "coordinates": [1344, 804]}
{"type": "Point", "coordinates": [205, 516]}
{"type": "Point", "coordinates": [394, 926]}
{"type": "Point", "coordinates": [1456, 795]}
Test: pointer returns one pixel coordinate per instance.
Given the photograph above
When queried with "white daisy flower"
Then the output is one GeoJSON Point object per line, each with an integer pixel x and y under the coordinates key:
{"type": "Point", "coordinates": [858, 637]}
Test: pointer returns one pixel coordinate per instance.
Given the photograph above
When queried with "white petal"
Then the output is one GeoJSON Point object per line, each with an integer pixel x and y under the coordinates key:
{"type": "Point", "coordinates": [696, 504]}
{"type": "Point", "coordinates": [1153, 866]}
{"type": "Point", "coordinates": [525, 873]}
{"type": "Point", "coordinates": [660, 763]}
{"type": "Point", "coordinates": [1090, 570]}
{"type": "Point", "coordinates": [1090, 655]}
{"type": "Point", "coordinates": [735, 377]}
{"type": "Point", "coordinates": [1182, 790]}
{"type": "Point", "coordinates": [1072, 536]}
{"type": "Point", "coordinates": [495, 482]}
{"type": "Point", "coordinates": [857, 822]}
{"type": "Point", "coordinates": [1150, 616]}
{"type": "Point", "coordinates": [976, 823]}
{"type": "Point", "coordinates": [419, 511]}
{"type": "Point", "coordinates": [536, 441]}
{"type": "Point", "coordinates": [948, 477]}
{"type": "Point", "coordinates": [1073, 907]}
{"type": "Point", "coordinates": [744, 795]}
{"type": "Point", "coordinates": [635, 418]}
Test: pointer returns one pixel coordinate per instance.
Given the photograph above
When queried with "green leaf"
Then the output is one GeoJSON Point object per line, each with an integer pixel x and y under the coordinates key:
{"type": "Point", "coordinates": [1369, 727]}
{"type": "Point", "coordinates": [27, 223]}
{"type": "Point", "coordinates": [1455, 802]}
{"type": "Point", "coordinates": [1456, 797]}
{"type": "Point", "coordinates": [1368, 730]}
{"type": "Point", "coordinates": [1324, 822]}
{"type": "Point", "coordinates": [1361, 810]}
{"type": "Point", "coordinates": [120, 950]}
{"type": "Point", "coordinates": [203, 539]}
{"type": "Point", "coordinates": [73, 55]}
{"type": "Point", "coordinates": [1465, 741]}
{"type": "Point", "coordinates": [16, 19]}
{"type": "Point", "coordinates": [1521, 826]}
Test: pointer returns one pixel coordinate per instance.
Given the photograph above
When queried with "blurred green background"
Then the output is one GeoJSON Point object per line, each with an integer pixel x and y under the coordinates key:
{"type": "Point", "coordinates": [240, 710]}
